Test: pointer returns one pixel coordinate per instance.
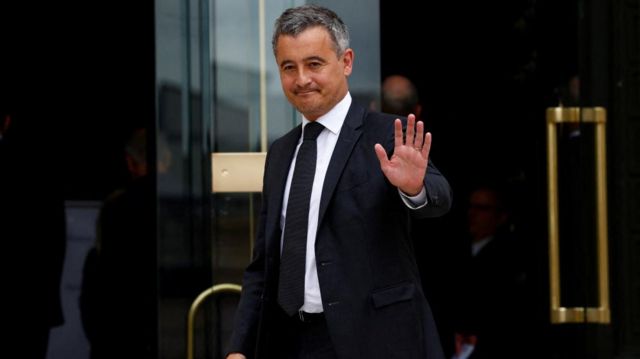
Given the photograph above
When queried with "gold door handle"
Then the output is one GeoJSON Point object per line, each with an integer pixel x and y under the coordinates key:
{"type": "Point", "coordinates": [215, 290]}
{"type": "Point", "coordinates": [560, 314]}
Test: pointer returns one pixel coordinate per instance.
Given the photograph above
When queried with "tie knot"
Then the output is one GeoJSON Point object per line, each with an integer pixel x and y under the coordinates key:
{"type": "Point", "coordinates": [312, 130]}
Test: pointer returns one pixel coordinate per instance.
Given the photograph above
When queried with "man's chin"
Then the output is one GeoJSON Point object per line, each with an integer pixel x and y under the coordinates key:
{"type": "Point", "coordinates": [306, 109]}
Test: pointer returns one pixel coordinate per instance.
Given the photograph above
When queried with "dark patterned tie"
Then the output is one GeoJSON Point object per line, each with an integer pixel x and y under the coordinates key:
{"type": "Point", "coordinates": [294, 251]}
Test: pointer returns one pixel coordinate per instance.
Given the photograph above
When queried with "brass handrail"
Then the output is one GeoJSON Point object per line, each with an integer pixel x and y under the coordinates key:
{"type": "Point", "coordinates": [560, 314]}
{"type": "Point", "coordinates": [215, 290]}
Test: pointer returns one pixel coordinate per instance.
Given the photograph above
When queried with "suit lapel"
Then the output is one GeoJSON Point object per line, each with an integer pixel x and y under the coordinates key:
{"type": "Point", "coordinates": [280, 161]}
{"type": "Point", "coordinates": [349, 134]}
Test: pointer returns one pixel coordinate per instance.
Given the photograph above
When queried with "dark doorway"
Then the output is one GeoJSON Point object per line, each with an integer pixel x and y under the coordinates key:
{"type": "Point", "coordinates": [485, 73]}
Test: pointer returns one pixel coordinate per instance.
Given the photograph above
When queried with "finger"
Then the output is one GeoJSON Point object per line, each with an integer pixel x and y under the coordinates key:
{"type": "Point", "coordinates": [411, 120]}
{"type": "Point", "coordinates": [398, 132]}
{"type": "Point", "coordinates": [382, 155]}
{"type": "Point", "coordinates": [419, 135]}
{"type": "Point", "coordinates": [427, 145]}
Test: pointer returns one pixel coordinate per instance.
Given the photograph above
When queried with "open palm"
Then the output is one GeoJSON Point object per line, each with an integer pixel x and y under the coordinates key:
{"type": "Point", "coordinates": [408, 165]}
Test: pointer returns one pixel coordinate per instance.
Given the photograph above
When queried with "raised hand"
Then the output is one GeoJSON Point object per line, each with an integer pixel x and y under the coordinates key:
{"type": "Point", "coordinates": [408, 165]}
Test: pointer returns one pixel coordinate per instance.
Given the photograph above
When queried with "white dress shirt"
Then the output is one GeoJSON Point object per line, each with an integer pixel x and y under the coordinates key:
{"type": "Point", "coordinates": [326, 143]}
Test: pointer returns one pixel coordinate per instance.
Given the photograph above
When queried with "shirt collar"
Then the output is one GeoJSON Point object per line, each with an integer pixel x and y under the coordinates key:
{"type": "Point", "coordinates": [477, 246]}
{"type": "Point", "coordinates": [334, 119]}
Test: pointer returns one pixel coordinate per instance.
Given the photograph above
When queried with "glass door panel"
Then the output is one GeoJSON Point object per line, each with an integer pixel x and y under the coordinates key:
{"type": "Point", "coordinates": [579, 290]}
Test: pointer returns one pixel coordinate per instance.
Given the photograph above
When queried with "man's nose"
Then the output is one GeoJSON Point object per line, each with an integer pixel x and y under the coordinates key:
{"type": "Point", "coordinates": [303, 78]}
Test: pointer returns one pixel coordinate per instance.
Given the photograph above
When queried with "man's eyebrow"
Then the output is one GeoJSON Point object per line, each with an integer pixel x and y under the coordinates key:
{"type": "Point", "coordinates": [314, 58]}
{"type": "Point", "coordinates": [306, 59]}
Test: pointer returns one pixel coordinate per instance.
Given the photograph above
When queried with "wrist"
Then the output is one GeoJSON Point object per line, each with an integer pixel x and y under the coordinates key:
{"type": "Point", "coordinates": [411, 192]}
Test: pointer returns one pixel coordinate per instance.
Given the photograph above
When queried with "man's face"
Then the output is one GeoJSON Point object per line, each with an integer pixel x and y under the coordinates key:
{"type": "Point", "coordinates": [484, 216]}
{"type": "Point", "coordinates": [313, 77]}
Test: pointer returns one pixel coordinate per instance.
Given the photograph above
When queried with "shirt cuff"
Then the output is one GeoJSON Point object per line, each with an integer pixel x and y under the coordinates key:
{"type": "Point", "coordinates": [414, 202]}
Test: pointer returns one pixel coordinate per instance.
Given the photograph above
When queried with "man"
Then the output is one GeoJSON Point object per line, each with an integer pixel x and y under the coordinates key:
{"type": "Point", "coordinates": [33, 231]}
{"type": "Point", "coordinates": [118, 276]}
{"type": "Point", "coordinates": [493, 283]}
{"type": "Point", "coordinates": [400, 96]}
{"type": "Point", "coordinates": [356, 292]}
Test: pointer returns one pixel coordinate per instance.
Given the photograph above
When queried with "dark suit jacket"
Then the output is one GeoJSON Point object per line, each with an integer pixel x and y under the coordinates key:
{"type": "Point", "coordinates": [495, 289]}
{"type": "Point", "coordinates": [118, 283]}
{"type": "Point", "coordinates": [369, 281]}
{"type": "Point", "coordinates": [33, 232]}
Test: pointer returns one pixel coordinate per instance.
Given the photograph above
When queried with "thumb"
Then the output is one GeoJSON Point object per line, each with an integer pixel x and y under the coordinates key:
{"type": "Point", "coordinates": [382, 155]}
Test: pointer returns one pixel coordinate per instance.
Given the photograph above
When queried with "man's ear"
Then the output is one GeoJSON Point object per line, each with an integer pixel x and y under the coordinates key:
{"type": "Point", "coordinates": [347, 60]}
{"type": "Point", "coordinates": [418, 111]}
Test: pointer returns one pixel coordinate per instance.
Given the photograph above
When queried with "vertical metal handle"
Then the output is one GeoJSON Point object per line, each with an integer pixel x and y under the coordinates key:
{"type": "Point", "coordinates": [560, 314]}
{"type": "Point", "coordinates": [215, 290]}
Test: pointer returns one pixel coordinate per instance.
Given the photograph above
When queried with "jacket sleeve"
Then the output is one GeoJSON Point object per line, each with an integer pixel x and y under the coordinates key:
{"type": "Point", "coordinates": [247, 317]}
{"type": "Point", "coordinates": [438, 194]}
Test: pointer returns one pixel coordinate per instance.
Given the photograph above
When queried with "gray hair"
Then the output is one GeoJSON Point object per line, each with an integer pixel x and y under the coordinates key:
{"type": "Point", "coordinates": [294, 21]}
